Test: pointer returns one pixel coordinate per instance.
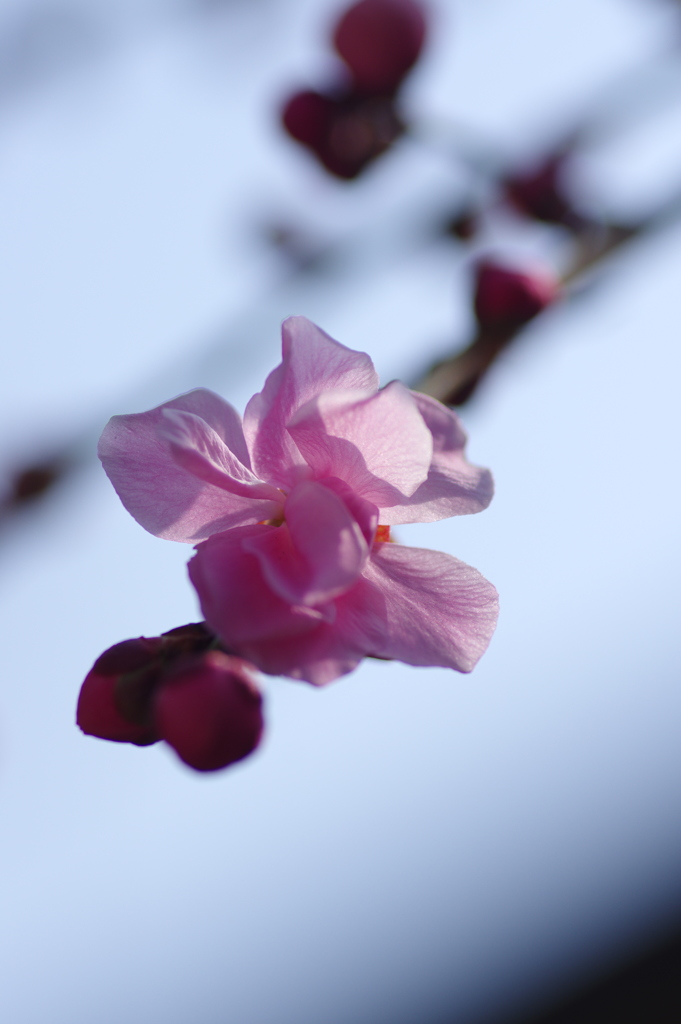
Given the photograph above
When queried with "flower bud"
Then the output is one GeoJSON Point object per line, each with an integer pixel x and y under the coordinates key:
{"type": "Point", "coordinates": [345, 133]}
{"type": "Point", "coordinates": [380, 40]}
{"type": "Point", "coordinates": [98, 713]}
{"type": "Point", "coordinates": [175, 687]}
{"type": "Point", "coordinates": [210, 711]}
{"type": "Point", "coordinates": [307, 117]}
{"type": "Point", "coordinates": [32, 482]}
{"type": "Point", "coordinates": [506, 299]}
{"type": "Point", "coordinates": [538, 194]}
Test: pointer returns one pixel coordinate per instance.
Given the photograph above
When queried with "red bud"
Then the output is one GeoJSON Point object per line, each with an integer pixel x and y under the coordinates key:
{"type": "Point", "coordinates": [98, 715]}
{"type": "Point", "coordinates": [506, 299]}
{"type": "Point", "coordinates": [178, 688]}
{"type": "Point", "coordinates": [380, 40]}
{"type": "Point", "coordinates": [539, 195]}
{"type": "Point", "coordinates": [128, 656]}
{"type": "Point", "coordinates": [209, 710]}
{"type": "Point", "coordinates": [345, 133]}
{"type": "Point", "coordinates": [307, 117]}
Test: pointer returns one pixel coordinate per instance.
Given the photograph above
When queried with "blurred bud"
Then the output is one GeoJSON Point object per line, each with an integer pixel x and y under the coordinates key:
{"type": "Point", "coordinates": [307, 117]}
{"type": "Point", "coordinates": [344, 133]}
{"type": "Point", "coordinates": [464, 225]}
{"type": "Point", "coordinates": [380, 41]}
{"type": "Point", "coordinates": [30, 483]}
{"type": "Point", "coordinates": [175, 687]}
{"type": "Point", "coordinates": [210, 711]}
{"type": "Point", "coordinates": [539, 194]}
{"type": "Point", "coordinates": [506, 299]}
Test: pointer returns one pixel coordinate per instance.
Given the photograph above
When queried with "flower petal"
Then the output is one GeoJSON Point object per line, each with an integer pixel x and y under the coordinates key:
{"type": "Point", "coordinates": [454, 487]}
{"type": "Point", "coordinates": [312, 362]}
{"type": "Point", "coordinates": [318, 553]}
{"type": "Point", "coordinates": [331, 649]}
{"type": "Point", "coordinates": [201, 451]}
{"type": "Point", "coordinates": [439, 611]}
{"type": "Point", "coordinates": [379, 445]}
{"type": "Point", "coordinates": [160, 494]}
{"type": "Point", "coordinates": [365, 512]}
{"type": "Point", "coordinates": [315, 645]}
{"type": "Point", "coordinates": [236, 600]}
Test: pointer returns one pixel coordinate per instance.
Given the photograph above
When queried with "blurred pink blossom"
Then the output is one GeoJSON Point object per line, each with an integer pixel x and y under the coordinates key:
{"type": "Point", "coordinates": [292, 511]}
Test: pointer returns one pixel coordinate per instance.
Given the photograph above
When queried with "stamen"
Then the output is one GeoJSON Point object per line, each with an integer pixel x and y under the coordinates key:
{"type": "Point", "coordinates": [382, 534]}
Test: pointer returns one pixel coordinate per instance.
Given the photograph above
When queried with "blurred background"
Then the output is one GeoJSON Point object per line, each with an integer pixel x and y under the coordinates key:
{"type": "Point", "coordinates": [407, 845]}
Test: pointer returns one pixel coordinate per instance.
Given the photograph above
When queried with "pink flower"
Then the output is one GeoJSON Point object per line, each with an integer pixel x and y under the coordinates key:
{"type": "Point", "coordinates": [294, 568]}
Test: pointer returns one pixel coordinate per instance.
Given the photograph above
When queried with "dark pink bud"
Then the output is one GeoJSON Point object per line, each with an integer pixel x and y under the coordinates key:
{"type": "Point", "coordinates": [380, 40]}
{"type": "Point", "coordinates": [506, 299]}
{"type": "Point", "coordinates": [98, 714]}
{"type": "Point", "coordinates": [539, 195]}
{"type": "Point", "coordinates": [209, 710]}
{"type": "Point", "coordinates": [128, 656]}
{"type": "Point", "coordinates": [345, 133]}
{"type": "Point", "coordinates": [307, 117]}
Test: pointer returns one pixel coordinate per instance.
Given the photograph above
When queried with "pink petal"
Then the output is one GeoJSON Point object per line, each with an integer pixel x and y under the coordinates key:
{"type": "Point", "coordinates": [379, 445]}
{"type": "Point", "coordinates": [312, 362]}
{"type": "Point", "coordinates": [318, 553]}
{"type": "Point", "coordinates": [209, 711]}
{"type": "Point", "coordinates": [236, 600]}
{"type": "Point", "coordinates": [364, 512]}
{"type": "Point", "coordinates": [201, 451]}
{"type": "Point", "coordinates": [439, 611]}
{"type": "Point", "coordinates": [160, 494]}
{"type": "Point", "coordinates": [313, 645]}
{"type": "Point", "coordinates": [331, 649]}
{"type": "Point", "coordinates": [454, 487]}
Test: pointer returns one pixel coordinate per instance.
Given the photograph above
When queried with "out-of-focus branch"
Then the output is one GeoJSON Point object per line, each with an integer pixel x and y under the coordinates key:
{"type": "Point", "coordinates": [455, 380]}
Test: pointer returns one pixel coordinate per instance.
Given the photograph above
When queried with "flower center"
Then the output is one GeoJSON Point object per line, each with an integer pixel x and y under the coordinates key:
{"type": "Point", "coordinates": [382, 535]}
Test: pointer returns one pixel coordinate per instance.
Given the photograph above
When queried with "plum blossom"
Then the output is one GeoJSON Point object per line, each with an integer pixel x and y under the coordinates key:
{"type": "Point", "coordinates": [291, 513]}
